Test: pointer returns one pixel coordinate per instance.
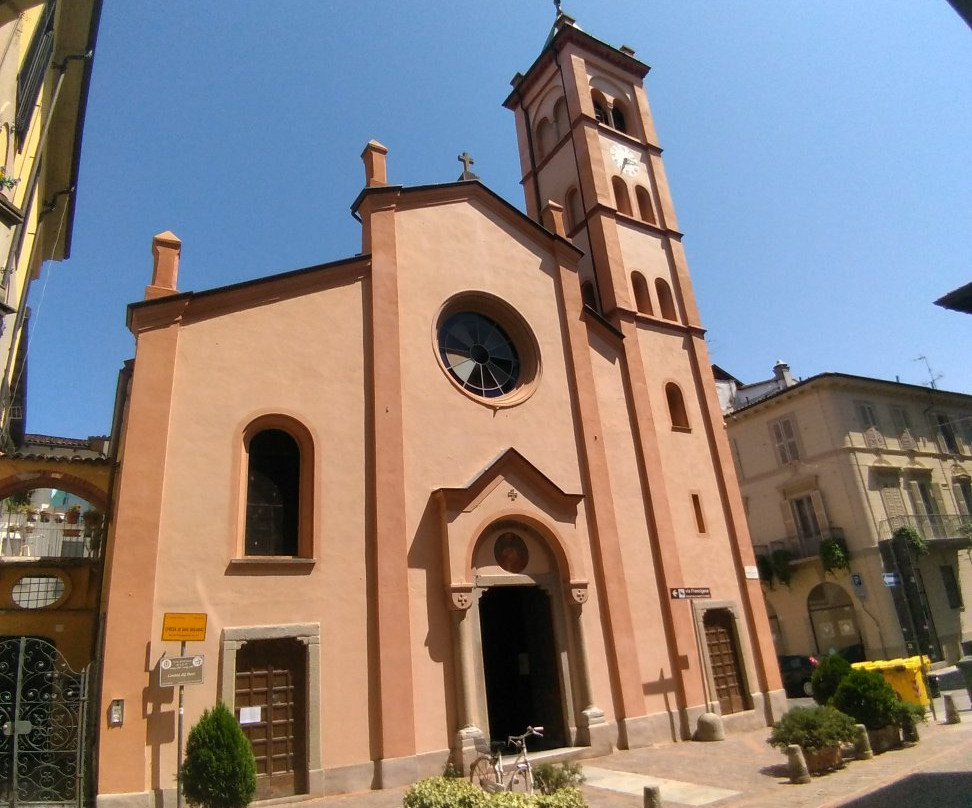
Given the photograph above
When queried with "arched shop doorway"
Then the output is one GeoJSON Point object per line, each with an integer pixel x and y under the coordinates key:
{"type": "Point", "coordinates": [834, 623]}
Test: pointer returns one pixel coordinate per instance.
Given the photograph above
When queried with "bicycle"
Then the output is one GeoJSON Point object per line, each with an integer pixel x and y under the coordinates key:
{"type": "Point", "coordinates": [489, 771]}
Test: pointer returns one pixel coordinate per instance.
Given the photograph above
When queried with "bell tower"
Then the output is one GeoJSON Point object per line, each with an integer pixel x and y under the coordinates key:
{"type": "Point", "coordinates": [587, 142]}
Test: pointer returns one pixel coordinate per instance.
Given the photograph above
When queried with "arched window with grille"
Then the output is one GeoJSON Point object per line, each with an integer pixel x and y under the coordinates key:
{"type": "Point", "coordinates": [601, 108]}
{"type": "Point", "coordinates": [618, 119]}
{"type": "Point", "coordinates": [279, 465]}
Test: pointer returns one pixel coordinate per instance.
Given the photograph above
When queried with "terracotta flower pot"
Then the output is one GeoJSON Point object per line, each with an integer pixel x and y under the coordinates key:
{"type": "Point", "coordinates": [884, 738]}
{"type": "Point", "coordinates": [823, 760]}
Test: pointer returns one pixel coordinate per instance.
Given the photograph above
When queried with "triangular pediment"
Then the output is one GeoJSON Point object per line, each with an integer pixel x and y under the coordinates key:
{"type": "Point", "coordinates": [523, 478]}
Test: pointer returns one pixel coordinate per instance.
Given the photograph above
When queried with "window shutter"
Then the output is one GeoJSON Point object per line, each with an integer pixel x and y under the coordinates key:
{"type": "Point", "coordinates": [960, 497]}
{"type": "Point", "coordinates": [893, 502]}
{"type": "Point", "coordinates": [818, 507]}
{"type": "Point", "coordinates": [917, 502]}
{"type": "Point", "coordinates": [788, 523]}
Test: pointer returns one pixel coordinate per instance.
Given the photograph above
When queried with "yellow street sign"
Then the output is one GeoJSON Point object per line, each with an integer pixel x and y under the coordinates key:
{"type": "Point", "coordinates": [183, 627]}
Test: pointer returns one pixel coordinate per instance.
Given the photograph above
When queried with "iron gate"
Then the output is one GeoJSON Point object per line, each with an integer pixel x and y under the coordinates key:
{"type": "Point", "coordinates": [42, 721]}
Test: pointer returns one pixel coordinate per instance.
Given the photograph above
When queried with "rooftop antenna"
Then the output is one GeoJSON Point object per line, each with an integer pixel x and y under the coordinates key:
{"type": "Point", "coordinates": [934, 377]}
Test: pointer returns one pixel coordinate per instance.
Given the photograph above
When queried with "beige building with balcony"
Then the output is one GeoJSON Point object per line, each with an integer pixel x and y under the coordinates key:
{"type": "Point", "coordinates": [833, 467]}
{"type": "Point", "coordinates": [46, 51]}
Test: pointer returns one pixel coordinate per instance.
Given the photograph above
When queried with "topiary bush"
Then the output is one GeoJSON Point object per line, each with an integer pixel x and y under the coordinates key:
{"type": "Point", "coordinates": [219, 770]}
{"type": "Point", "coordinates": [568, 797]}
{"type": "Point", "coordinates": [549, 777]}
{"type": "Point", "coordinates": [812, 728]}
{"type": "Point", "coordinates": [445, 792]}
{"type": "Point", "coordinates": [868, 699]}
{"type": "Point", "coordinates": [827, 676]}
{"type": "Point", "coordinates": [510, 799]}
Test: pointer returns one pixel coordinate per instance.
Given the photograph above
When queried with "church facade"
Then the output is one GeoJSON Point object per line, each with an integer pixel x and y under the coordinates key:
{"type": "Point", "coordinates": [472, 479]}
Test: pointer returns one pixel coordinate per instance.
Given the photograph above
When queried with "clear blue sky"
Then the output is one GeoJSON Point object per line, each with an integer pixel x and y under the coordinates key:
{"type": "Point", "coordinates": [818, 154]}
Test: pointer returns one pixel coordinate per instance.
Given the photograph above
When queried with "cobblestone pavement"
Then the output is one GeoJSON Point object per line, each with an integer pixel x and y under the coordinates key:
{"type": "Point", "coordinates": [744, 771]}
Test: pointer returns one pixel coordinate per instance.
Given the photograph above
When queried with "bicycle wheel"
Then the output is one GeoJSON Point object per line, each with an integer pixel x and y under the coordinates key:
{"type": "Point", "coordinates": [482, 774]}
{"type": "Point", "coordinates": [521, 781]}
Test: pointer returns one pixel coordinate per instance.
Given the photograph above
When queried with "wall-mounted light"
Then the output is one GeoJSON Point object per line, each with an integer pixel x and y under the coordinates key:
{"type": "Point", "coordinates": [116, 713]}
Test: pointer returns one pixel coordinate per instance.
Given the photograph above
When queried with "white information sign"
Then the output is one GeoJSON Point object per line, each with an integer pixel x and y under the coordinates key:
{"type": "Point", "coordinates": [250, 715]}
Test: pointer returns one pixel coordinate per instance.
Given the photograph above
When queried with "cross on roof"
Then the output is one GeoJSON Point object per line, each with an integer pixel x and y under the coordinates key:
{"type": "Point", "coordinates": [466, 161]}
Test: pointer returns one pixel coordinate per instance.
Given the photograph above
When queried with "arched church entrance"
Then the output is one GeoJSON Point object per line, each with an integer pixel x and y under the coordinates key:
{"type": "Point", "coordinates": [520, 664]}
{"type": "Point", "coordinates": [523, 636]}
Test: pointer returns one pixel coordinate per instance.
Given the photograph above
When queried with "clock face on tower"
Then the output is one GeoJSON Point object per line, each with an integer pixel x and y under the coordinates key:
{"type": "Point", "coordinates": [625, 159]}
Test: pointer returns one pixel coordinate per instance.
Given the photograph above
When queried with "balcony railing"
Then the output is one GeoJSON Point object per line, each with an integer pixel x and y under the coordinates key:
{"type": "Point", "coordinates": [799, 547]}
{"type": "Point", "coordinates": [49, 535]}
{"type": "Point", "coordinates": [932, 528]}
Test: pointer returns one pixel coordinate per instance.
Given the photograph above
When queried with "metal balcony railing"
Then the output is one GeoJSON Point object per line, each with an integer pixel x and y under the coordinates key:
{"type": "Point", "coordinates": [799, 547]}
{"type": "Point", "coordinates": [931, 528]}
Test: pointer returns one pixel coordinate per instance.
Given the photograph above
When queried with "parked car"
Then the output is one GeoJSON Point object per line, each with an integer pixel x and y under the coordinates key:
{"type": "Point", "coordinates": [796, 671]}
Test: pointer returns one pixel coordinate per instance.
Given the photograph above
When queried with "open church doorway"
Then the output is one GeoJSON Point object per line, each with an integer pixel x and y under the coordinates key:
{"type": "Point", "coordinates": [521, 665]}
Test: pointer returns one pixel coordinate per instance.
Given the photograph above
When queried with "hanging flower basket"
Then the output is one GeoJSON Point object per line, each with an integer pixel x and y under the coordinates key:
{"type": "Point", "coordinates": [834, 555]}
{"type": "Point", "coordinates": [913, 538]}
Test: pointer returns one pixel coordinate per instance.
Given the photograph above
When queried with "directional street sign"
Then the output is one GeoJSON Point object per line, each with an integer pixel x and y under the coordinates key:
{"type": "Point", "coordinates": [684, 592]}
{"type": "Point", "coordinates": [891, 579]}
{"type": "Point", "coordinates": [183, 627]}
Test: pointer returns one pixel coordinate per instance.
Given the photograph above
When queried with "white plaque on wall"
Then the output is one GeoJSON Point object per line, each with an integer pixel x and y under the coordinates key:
{"type": "Point", "coordinates": [250, 715]}
{"type": "Point", "coordinates": [752, 572]}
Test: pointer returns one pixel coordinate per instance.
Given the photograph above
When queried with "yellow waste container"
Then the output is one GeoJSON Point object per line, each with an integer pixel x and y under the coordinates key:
{"type": "Point", "coordinates": [904, 675]}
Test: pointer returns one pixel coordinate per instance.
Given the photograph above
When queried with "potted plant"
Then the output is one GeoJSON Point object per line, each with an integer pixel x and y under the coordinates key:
{"type": "Point", "coordinates": [780, 559]}
{"type": "Point", "coordinates": [908, 717]}
{"type": "Point", "coordinates": [93, 527]}
{"type": "Point", "coordinates": [871, 701]}
{"type": "Point", "coordinates": [913, 538]}
{"type": "Point", "coordinates": [7, 182]}
{"type": "Point", "coordinates": [834, 555]}
{"type": "Point", "coordinates": [71, 518]}
{"type": "Point", "coordinates": [765, 567]}
{"type": "Point", "coordinates": [819, 731]}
